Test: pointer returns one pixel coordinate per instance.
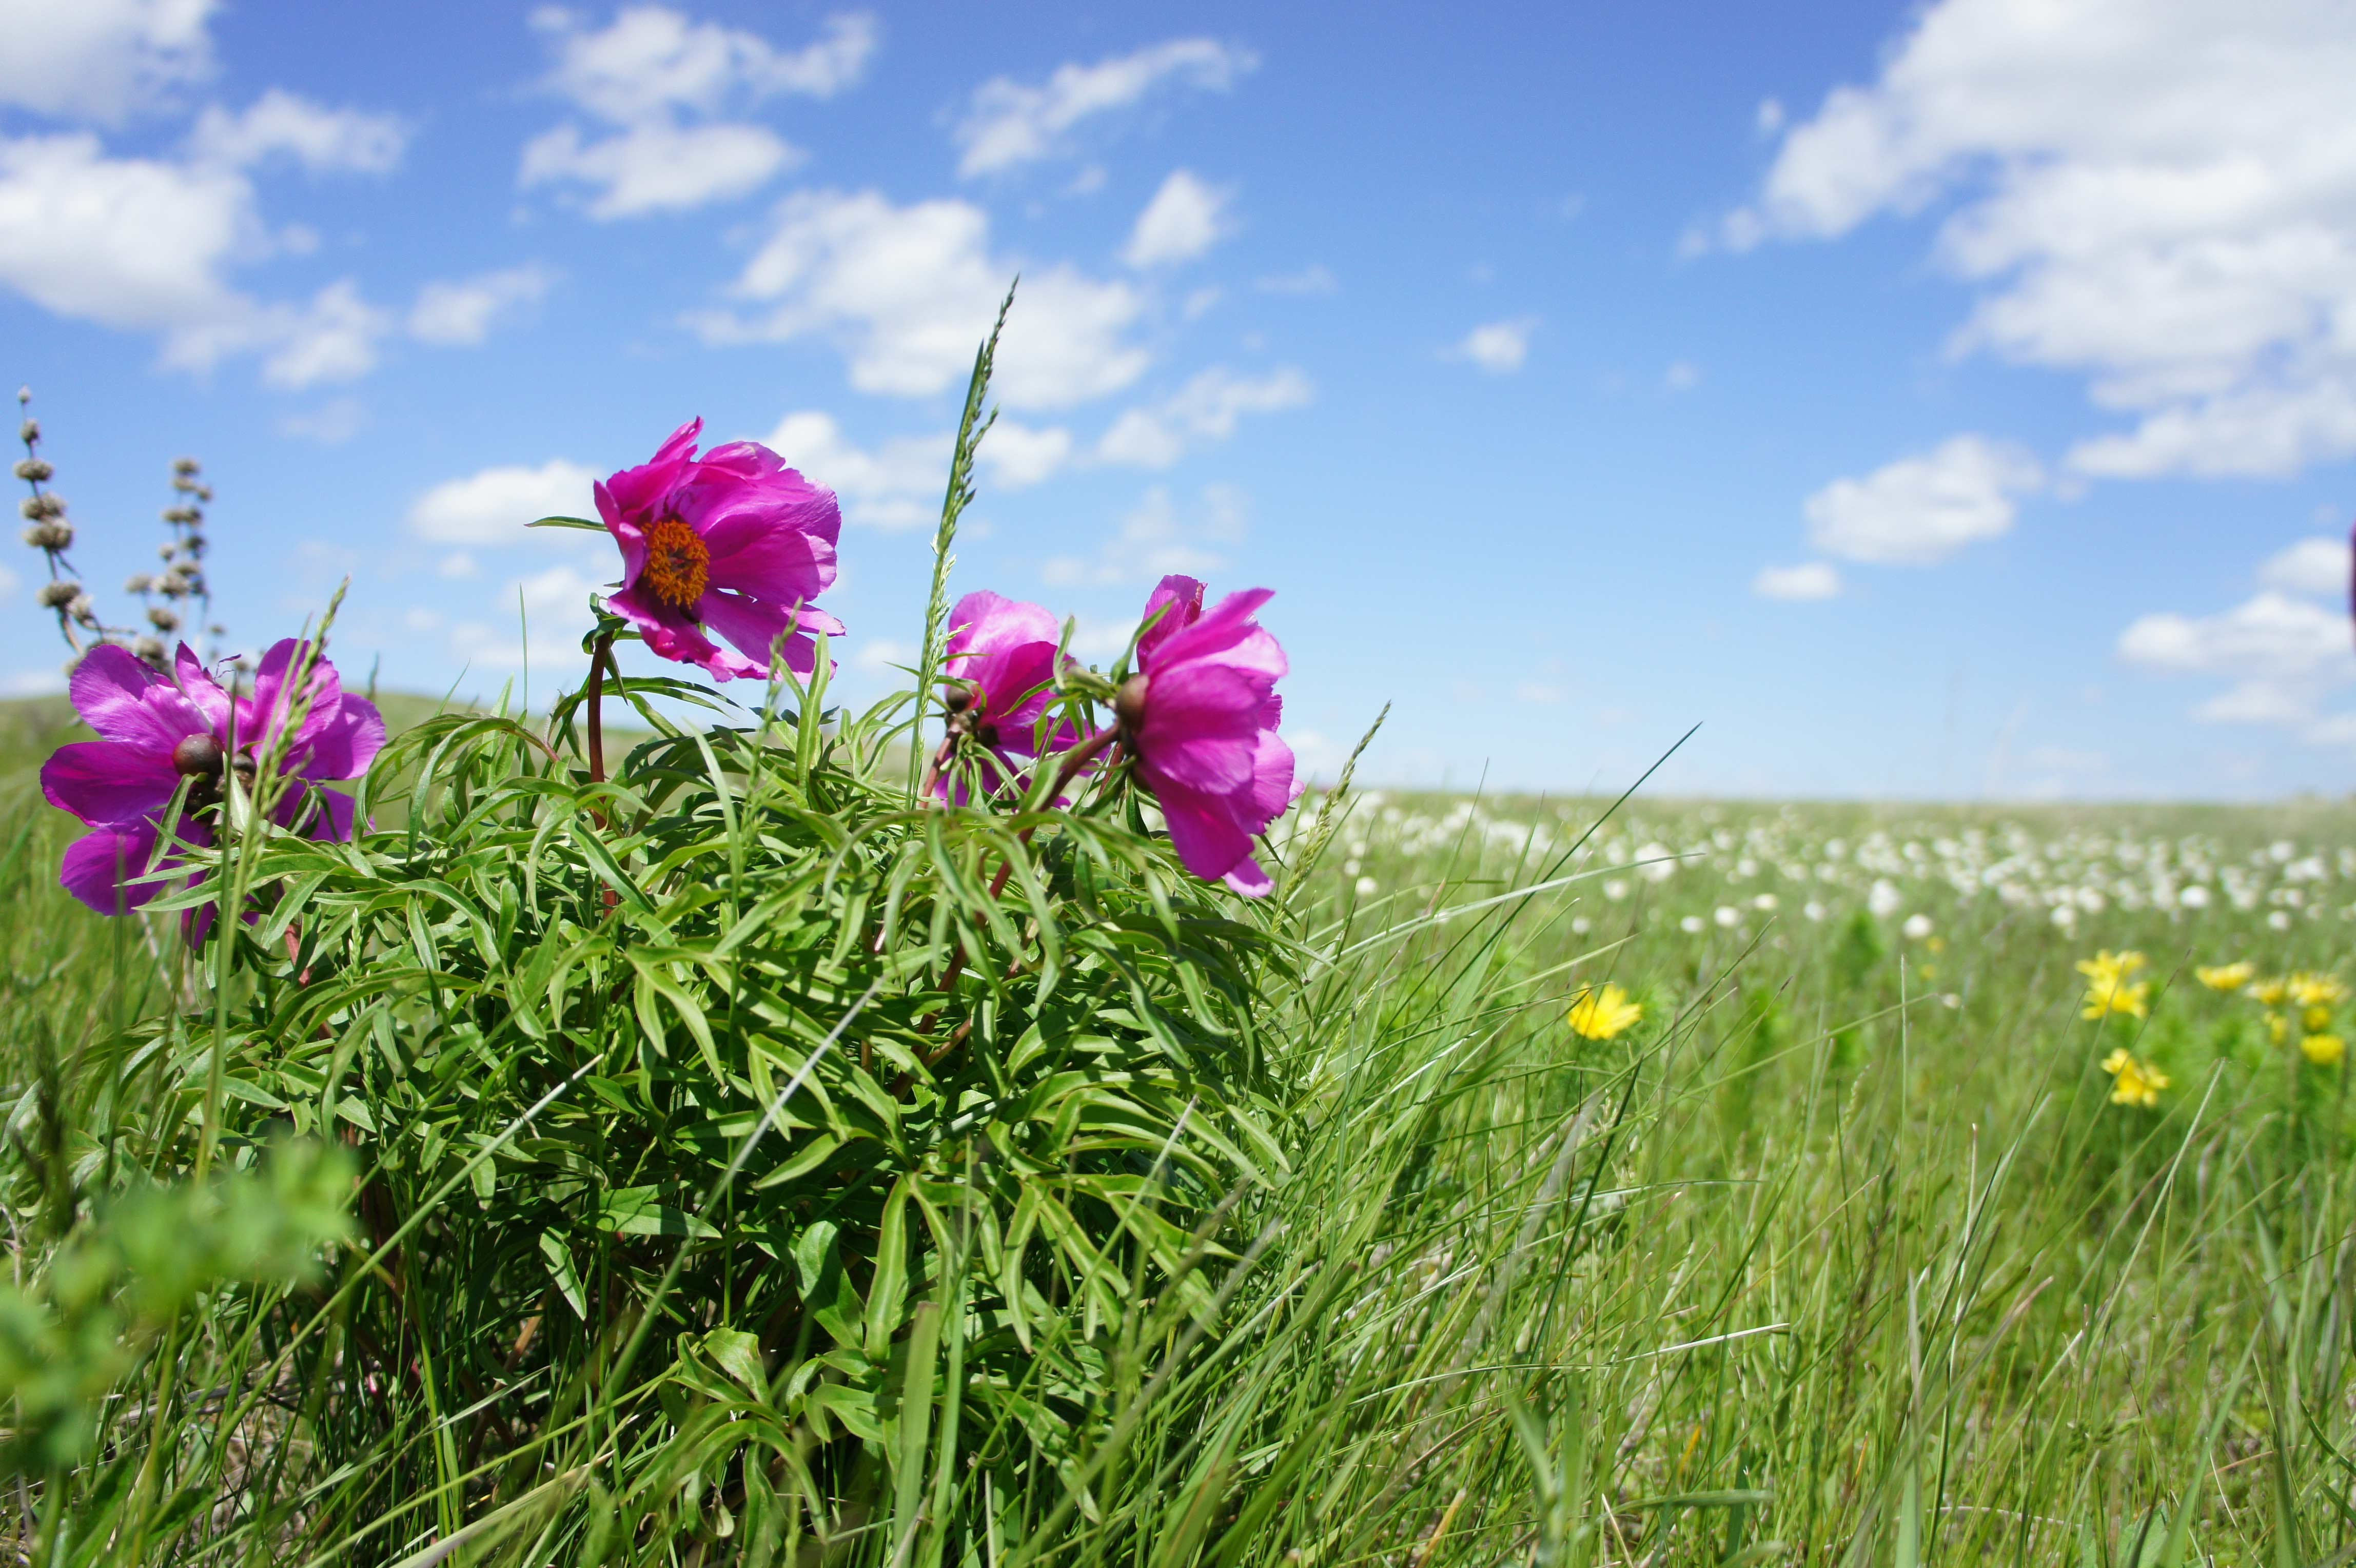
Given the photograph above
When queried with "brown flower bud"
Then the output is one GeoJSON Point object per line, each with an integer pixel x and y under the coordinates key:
{"type": "Point", "coordinates": [58, 595]}
{"type": "Point", "coordinates": [198, 757]}
{"type": "Point", "coordinates": [33, 468]}
{"type": "Point", "coordinates": [1128, 702]}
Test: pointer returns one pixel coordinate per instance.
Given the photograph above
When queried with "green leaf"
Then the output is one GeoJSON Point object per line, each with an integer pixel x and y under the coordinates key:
{"type": "Point", "coordinates": [888, 1293]}
{"type": "Point", "coordinates": [580, 523]}
{"type": "Point", "coordinates": [633, 1212]}
{"type": "Point", "coordinates": [559, 1259]}
{"type": "Point", "coordinates": [738, 1354]}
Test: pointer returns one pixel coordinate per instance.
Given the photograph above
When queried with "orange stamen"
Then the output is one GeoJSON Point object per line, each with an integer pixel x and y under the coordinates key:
{"type": "Point", "coordinates": [676, 562]}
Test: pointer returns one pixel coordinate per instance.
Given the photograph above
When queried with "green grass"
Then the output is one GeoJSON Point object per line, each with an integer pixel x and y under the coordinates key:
{"type": "Point", "coordinates": [1842, 1254]}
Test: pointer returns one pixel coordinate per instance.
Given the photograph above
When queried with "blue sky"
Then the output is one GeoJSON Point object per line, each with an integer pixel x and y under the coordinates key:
{"type": "Point", "coordinates": [1954, 401]}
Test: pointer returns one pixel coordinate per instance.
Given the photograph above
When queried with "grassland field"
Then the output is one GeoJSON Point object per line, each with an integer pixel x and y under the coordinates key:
{"type": "Point", "coordinates": [1824, 1236]}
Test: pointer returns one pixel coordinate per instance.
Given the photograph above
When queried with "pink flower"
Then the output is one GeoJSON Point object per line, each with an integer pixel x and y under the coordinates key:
{"type": "Point", "coordinates": [155, 730]}
{"type": "Point", "coordinates": [732, 543]}
{"type": "Point", "coordinates": [1000, 663]}
{"type": "Point", "coordinates": [1200, 718]}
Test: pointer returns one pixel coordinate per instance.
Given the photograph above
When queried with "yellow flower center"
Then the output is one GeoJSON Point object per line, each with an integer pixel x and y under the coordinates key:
{"type": "Point", "coordinates": [676, 562]}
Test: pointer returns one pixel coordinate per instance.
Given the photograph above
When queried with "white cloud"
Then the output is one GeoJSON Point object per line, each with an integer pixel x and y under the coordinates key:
{"type": "Point", "coordinates": [1185, 220]}
{"type": "Point", "coordinates": [332, 423]}
{"type": "Point", "coordinates": [898, 483]}
{"type": "Point", "coordinates": [2161, 198]}
{"type": "Point", "coordinates": [1683, 375]}
{"type": "Point", "coordinates": [652, 60]}
{"type": "Point", "coordinates": [322, 140]}
{"type": "Point", "coordinates": [101, 59]}
{"type": "Point", "coordinates": [1499, 347]}
{"type": "Point", "coordinates": [491, 508]}
{"type": "Point", "coordinates": [1154, 540]}
{"type": "Point", "coordinates": [882, 656]}
{"type": "Point", "coordinates": [461, 313]}
{"type": "Point", "coordinates": [1010, 123]}
{"type": "Point", "coordinates": [1922, 510]}
{"type": "Point", "coordinates": [657, 167]}
{"type": "Point", "coordinates": [668, 84]}
{"type": "Point", "coordinates": [1017, 455]}
{"type": "Point", "coordinates": [2269, 635]}
{"type": "Point", "coordinates": [458, 565]}
{"type": "Point", "coordinates": [141, 244]}
{"type": "Point", "coordinates": [332, 339]}
{"type": "Point", "coordinates": [1206, 409]}
{"type": "Point", "coordinates": [908, 293]}
{"type": "Point", "coordinates": [2310, 566]}
{"type": "Point", "coordinates": [1314, 278]}
{"type": "Point", "coordinates": [550, 607]}
{"type": "Point", "coordinates": [1809, 580]}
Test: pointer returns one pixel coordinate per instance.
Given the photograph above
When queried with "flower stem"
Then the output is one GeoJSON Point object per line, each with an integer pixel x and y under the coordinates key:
{"type": "Point", "coordinates": [597, 657]}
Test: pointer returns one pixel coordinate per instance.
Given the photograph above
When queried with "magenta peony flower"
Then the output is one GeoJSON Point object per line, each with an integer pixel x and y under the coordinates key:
{"type": "Point", "coordinates": [1200, 717]}
{"type": "Point", "coordinates": [998, 663]}
{"type": "Point", "coordinates": [156, 730]}
{"type": "Point", "coordinates": [732, 543]}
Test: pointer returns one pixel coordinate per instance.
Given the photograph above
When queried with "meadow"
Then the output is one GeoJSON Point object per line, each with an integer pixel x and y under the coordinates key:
{"type": "Point", "coordinates": [1637, 1182]}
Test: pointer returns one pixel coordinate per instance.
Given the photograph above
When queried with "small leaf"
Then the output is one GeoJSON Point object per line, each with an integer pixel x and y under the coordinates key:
{"type": "Point", "coordinates": [559, 1258]}
{"type": "Point", "coordinates": [633, 1212]}
{"type": "Point", "coordinates": [738, 1354]}
{"type": "Point", "coordinates": [582, 522]}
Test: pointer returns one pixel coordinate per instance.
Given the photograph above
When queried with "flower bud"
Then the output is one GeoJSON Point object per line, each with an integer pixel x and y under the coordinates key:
{"type": "Point", "coordinates": [195, 545]}
{"type": "Point", "coordinates": [49, 536]}
{"type": "Point", "coordinates": [46, 504]}
{"type": "Point", "coordinates": [150, 649]}
{"type": "Point", "coordinates": [184, 465]}
{"type": "Point", "coordinates": [166, 552]}
{"type": "Point", "coordinates": [58, 595]}
{"type": "Point", "coordinates": [162, 619]}
{"type": "Point", "coordinates": [33, 468]}
{"type": "Point", "coordinates": [138, 583]}
{"type": "Point", "coordinates": [171, 585]}
{"type": "Point", "coordinates": [177, 514]}
{"type": "Point", "coordinates": [83, 609]}
{"type": "Point", "coordinates": [29, 432]}
{"type": "Point", "coordinates": [1128, 702]}
{"type": "Point", "coordinates": [198, 757]}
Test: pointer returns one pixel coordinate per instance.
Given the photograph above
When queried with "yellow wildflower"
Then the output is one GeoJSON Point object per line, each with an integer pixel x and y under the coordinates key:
{"type": "Point", "coordinates": [2317, 1019]}
{"type": "Point", "coordinates": [2277, 1027]}
{"type": "Point", "coordinates": [2226, 977]}
{"type": "Point", "coordinates": [2270, 992]}
{"type": "Point", "coordinates": [2323, 1050]}
{"type": "Point", "coordinates": [2317, 991]}
{"type": "Point", "coordinates": [2134, 1082]}
{"type": "Point", "coordinates": [1603, 1014]}
{"type": "Point", "coordinates": [2108, 988]}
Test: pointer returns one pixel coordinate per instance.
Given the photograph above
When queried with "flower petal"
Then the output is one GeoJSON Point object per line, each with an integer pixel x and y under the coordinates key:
{"type": "Point", "coordinates": [97, 866]}
{"type": "Point", "coordinates": [126, 702]}
{"type": "Point", "coordinates": [109, 784]}
{"type": "Point", "coordinates": [1202, 830]}
{"type": "Point", "coordinates": [1179, 601]}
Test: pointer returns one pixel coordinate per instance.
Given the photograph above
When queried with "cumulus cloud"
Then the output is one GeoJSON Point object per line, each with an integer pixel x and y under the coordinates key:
{"type": "Point", "coordinates": [666, 87]}
{"type": "Point", "coordinates": [907, 293]}
{"type": "Point", "coordinates": [492, 506]}
{"type": "Point", "coordinates": [461, 313]}
{"type": "Point", "coordinates": [1155, 539]}
{"type": "Point", "coordinates": [898, 484]}
{"type": "Point", "coordinates": [2310, 566]}
{"type": "Point", "coordinates": [550, 607]}
{"type": "Point", "coordinates": [100, 61]}
{"type": "Point", "coordinates": [1185, 218]}
{"type": "Point", "coordinates": [322, 140]}
{"type": "Point", "coordinates": [146, 244]}
{"type": "Point", "coordinates": [1010, 123]}
{"type": "Point", "coordinates": [1499, 347]}
{"type": "Point", "coordinates": [1922, 510]}
{"type": "Point", "coordinates": [1206, 409]}
{"type": "Point", "coordinates": [1314, 278]}
{"type": "Point", "coordinates": [1809, 580]}
{"type": "Point", "coordinates": [2284, 654]}
{"type": "Point", "coordinates": [2160, 197]}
